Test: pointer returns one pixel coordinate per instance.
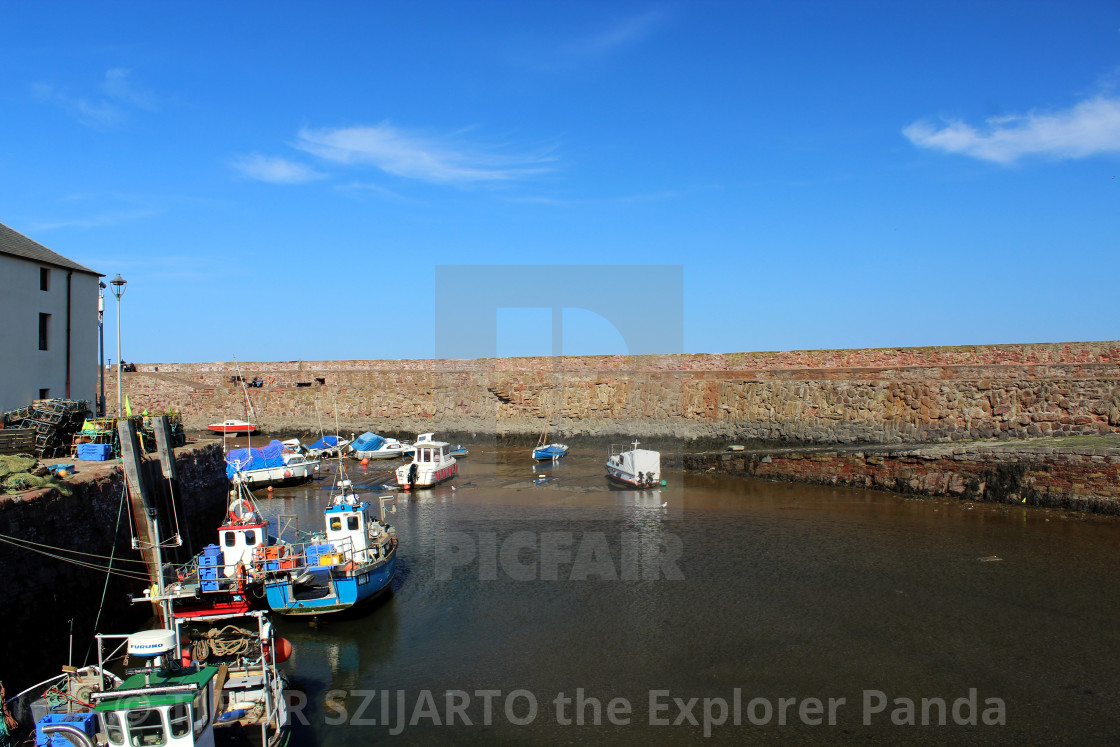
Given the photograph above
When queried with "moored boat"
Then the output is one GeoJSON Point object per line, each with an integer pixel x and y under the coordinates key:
{"type": "Point", "coordinates": [635, 468]}
{"type": "Point", "coordinates": [545, 451]}
{"type": "Point", "coordinates": [350, 562]}
{"type": "Point", "coordinates": [327, 446]}
{"type": "Point", "coordinates": [233, 426]}
{"type": "Point", "coordinates": [233, 695]}
{"type": "Point", "coordinates": [274, 465]}
{"type": "Point", "coordinates": [550, 452]}
{"type": "Point", "coordinates": [431, 464]}
{"type": "Point", "coordinates": [372, 446]}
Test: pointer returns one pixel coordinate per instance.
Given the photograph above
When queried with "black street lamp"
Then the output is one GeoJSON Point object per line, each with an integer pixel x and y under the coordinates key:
{"type": "Point", "coordinates": [101, 346]}
{"type": "Point", "coordinates": [118, 284]}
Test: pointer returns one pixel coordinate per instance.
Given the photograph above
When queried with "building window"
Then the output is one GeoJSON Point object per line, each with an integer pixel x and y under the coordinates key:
{"type": "Point", "coordinates": [44, 279]}
{"type": "Point", "coordinates": [44, 329]}
{"type": "Point", "coordinates": [45, 393]}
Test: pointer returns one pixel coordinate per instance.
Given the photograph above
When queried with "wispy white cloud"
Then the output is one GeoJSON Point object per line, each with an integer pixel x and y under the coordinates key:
{"type": "Point", "coordinates": [98, 220]}
{"type": "Point", "coordinates": [622, 33]}
{"type": "Point", "coordinates": [436, 159]}
{"type": "Point", "coordinates": [275, 169]}
{"type": "Point", "coordinates": [107, 108]}
{"type": "Point", "coordinates": [119, 87]}
{"type": "Point", "coordinates": [1088, 128]}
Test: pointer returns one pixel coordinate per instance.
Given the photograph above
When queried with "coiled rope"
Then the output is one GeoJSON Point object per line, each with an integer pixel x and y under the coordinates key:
{"type": "Point", "coordinates": [229, 641]}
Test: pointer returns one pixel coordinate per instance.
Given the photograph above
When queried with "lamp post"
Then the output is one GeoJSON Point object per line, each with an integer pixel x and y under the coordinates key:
{"type": "Point", "coordinates": [101, 346]}
{"type": "Point", "coordinates": [118, 284]}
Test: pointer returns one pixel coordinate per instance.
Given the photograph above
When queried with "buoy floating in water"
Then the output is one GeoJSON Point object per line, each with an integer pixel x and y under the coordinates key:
{"type": "Point", "coordinates": [365, 462]}
{"type": "Point", "coordinates": [270, 488]}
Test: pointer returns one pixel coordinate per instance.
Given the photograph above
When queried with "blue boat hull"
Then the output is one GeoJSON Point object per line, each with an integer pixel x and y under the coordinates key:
{"type": "Point", "coordinates": [343, 591]}
{"type": "Point", "coordinates": [546, 453]}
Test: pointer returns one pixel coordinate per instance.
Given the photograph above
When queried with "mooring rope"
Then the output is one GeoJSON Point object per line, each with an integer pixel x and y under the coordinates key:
{"type": "Point", "coordinates": [228, 641]}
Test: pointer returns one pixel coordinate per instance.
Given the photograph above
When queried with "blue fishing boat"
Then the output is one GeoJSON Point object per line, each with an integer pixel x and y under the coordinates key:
{"type": "Point", "coordinates": [545, 451]}
{"type": "Point", "coordinates": [549, 452]}
{"type": "Point", "coordinates": [350, 562]}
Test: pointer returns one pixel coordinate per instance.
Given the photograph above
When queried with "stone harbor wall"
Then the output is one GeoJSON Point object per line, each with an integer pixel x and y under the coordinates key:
{"type": "Point", "coordinates": [906, 395]}
{"type": "Point", "coordinates": [1069, 477]}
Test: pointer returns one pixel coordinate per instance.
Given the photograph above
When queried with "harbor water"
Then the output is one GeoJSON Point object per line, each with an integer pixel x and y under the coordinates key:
{"type": "Point", "coordinates": [538, 604]}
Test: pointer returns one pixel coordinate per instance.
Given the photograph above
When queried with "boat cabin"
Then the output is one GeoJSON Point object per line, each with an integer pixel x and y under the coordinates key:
{"type": "Point", "coordinates": [161, 704]}
{"type": "Point", "coordinates": [347, 525]}
{"type": "Point", "coordinates": [431, 452]}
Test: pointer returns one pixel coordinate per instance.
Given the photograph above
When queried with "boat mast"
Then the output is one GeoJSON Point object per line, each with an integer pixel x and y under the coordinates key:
{"type": "Point", "coordinates": [245, 389]}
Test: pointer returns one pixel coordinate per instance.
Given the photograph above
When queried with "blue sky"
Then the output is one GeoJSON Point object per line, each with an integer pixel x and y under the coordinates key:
{"type": "Point", "coordinates": [828, 175]}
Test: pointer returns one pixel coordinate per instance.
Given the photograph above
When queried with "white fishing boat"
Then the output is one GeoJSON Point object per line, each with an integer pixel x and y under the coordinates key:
{"type": "Point", "coordinates": [233, 694]}
{"type": "Point", "coordinates": [372, 446]}
{"type": "Point", "coordinates": [274, 465]}
{"type": "Point", "coordinates": [431, 464]}
{"type": "Point", "coordinates": [634, 467]}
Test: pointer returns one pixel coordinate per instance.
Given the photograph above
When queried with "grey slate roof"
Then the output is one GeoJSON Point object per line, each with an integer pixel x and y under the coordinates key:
{"type": "Point", "coordinates": [16, 244]}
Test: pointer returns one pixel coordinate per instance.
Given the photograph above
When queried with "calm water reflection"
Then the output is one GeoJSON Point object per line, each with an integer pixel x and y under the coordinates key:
{"type": "Point", "coordinates": [787, 592]}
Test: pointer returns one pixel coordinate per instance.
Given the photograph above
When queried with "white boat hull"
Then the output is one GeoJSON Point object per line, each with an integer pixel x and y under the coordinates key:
{"type": "Point", "coordinates": [289, 474]}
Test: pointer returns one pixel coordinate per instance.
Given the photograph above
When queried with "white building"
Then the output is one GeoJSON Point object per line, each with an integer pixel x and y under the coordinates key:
{"type": "Point", "coordinates": [48, 324]}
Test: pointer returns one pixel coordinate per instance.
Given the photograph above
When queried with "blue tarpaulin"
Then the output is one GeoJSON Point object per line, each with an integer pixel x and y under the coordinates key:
{"type": "Point", "coordinates": [367, 442]}
{"type": "Point", "coordinates": [238, 460]}
{"type": "Point", "coordinates": [326, 442]}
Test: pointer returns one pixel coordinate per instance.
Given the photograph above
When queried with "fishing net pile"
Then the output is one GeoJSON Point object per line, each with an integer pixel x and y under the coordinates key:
{"type": "Point", "coordinates": [19, 473]}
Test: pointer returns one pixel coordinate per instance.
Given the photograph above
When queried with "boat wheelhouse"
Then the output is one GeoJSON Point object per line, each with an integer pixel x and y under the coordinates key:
{"type": "Point", "coordinates": [634, 467]}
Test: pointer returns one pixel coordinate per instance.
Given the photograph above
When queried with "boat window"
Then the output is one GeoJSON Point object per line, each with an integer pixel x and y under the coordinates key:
{"type": "Point", "coordinates": [352, 523]}
{"type": "Point", "coordinates": [112, 727]}
{"type": "Point", "coordinates": [231, 539]}
{"type": "Point", "coordinates": [180, 718]}
{"type": "Point", "coordinates": [251, 537]}
{"type": "Point", "coordinates": [336, 524]}
{"type": "Point", "coordinates": [201, 712]}
{"type": "Point", "coordinates": [145, 728]}
{"type": "Point", "coordinates": [442, 453]}
{"type": "Point", "coordinates": [427, 455]}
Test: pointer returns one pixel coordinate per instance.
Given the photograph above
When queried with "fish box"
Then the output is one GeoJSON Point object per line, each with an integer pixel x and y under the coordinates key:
{"type": "Point", "coordinates": [83, 722]}
{"type": "Point", "coordinates": [272, 565]}
{"type": "Point", "coordinates": [95, 452]}
{"type": "Point", "coordinates": [332, 558]}
{"type": "Point", "coordinates": [209, 573]}
{"type": "Point", "coordinates": [288, 563]}
{"type": "Point", "coordinates": [212, 585]}
{"type": "Point", "coordinates": [274, 552]}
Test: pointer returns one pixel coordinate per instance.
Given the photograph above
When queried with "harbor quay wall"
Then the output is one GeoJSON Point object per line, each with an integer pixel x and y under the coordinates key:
{"type": "Point", "coordinates": [43, 596]}
{"type": "Point", "coordinates": [883, 396]}
{"type": "Point", "coordinates": [1070, 478]}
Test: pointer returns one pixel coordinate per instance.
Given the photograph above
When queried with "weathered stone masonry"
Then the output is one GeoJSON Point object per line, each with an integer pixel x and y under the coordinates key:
{"type": "Point", "coordinates": [1073, 478]}
{"type": "Point", "coordinates": [909, 395]}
